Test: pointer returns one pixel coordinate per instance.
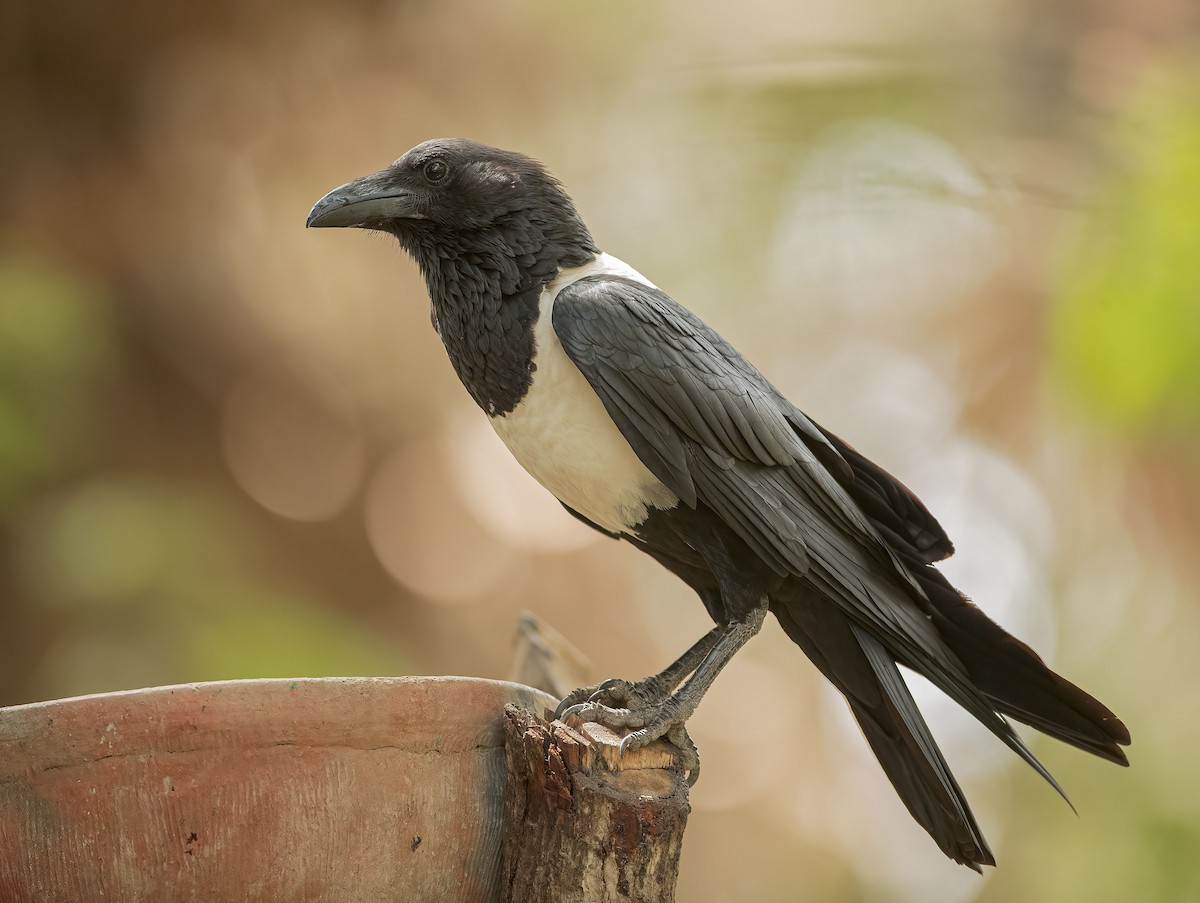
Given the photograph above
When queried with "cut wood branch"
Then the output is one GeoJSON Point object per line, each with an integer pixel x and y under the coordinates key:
{"type": "Point", "coordinates": [545, 659]}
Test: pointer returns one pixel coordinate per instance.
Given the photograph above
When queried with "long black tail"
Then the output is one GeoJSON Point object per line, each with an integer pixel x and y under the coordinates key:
{"type": "Point", "coordinates": [867, 675]}
{"type": "Point", "coordinates": [1010, 675]}
{"type": "Point", "coordinates": [1015, 679]}
{"type": "Point", "coordinates": [1005, 674]}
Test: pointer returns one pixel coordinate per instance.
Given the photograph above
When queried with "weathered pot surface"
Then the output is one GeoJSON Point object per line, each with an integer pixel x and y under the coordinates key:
{"type": "Point", "coordinates": [335, 789]}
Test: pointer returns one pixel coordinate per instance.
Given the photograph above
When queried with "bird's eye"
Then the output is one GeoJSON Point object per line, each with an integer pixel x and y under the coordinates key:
{"type": "Point", "coordinates": [436, 170]}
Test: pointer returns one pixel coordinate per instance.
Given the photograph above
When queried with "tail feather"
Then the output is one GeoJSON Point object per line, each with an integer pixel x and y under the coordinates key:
{"type": "Point", "coordinates": [950, 680]}
{"type": "Point", "coordinates": [893, 726]}
{"type": "Point", "coordinates": [1014, 678]}
{"type": "Point", "coordinates": [915, 765]}
{"type": "Point", "coordinates": [983, 668]}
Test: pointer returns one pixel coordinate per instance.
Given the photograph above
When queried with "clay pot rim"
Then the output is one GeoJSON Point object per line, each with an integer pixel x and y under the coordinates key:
{"type": "Point", "coordinates": [420, 714]}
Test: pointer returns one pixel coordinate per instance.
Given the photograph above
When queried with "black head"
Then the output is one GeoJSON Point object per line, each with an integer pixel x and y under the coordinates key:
{"type": "Point", "coordinates": [453, 185]}
{"type": "Point", "coordinates": [488, 228]}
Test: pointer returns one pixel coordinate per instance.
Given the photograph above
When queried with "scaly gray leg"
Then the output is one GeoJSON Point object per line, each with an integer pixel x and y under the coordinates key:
{"type": "Point", "coordinates": [615, 692]}
{"type": "Point", "coordinates": [666, 717]}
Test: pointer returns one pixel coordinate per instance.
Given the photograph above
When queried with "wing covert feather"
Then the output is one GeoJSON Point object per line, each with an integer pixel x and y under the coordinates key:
{"type": "Point", "coordinates": [710, 426]}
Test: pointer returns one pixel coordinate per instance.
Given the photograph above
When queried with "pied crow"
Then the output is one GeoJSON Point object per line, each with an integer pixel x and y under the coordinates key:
{"type": "Point", "coordinates": [649, 426]}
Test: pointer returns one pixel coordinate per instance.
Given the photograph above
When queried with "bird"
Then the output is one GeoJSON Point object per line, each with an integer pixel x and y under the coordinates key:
{"type": "Point", "coordinates": [651, 428]}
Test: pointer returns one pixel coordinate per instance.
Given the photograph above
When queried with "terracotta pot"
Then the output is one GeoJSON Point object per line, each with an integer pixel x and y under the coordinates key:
{"type": "Point", "coordinates": [347, 789]}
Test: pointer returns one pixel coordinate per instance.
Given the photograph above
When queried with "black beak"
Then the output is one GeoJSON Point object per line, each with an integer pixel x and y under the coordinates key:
{"type": "Point", "coordinates": [365, 203]}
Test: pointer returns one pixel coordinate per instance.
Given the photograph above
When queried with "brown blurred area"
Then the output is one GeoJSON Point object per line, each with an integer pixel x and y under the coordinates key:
{"type": "Point", "coordinates": [962, 237]}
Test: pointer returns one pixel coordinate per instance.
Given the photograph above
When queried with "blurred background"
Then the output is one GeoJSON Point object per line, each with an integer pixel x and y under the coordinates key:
{"type": "Point", "coordinates": [962, 236]}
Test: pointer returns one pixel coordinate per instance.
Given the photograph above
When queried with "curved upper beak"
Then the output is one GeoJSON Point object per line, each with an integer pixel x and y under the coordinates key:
{"type": "Point", "coordinates": [365, 203]}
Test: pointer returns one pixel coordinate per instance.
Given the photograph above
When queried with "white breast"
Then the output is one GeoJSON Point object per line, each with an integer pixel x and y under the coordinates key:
{"type": "Point", "coordinates": [562, 435]}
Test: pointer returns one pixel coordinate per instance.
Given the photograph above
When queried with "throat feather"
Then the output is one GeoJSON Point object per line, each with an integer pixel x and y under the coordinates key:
{"type": "Point", "coordinates": [484, 288]}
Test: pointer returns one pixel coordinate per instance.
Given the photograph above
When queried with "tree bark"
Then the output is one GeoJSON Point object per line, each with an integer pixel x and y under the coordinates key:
{"type": "Point", "coordinates": [584, 824]}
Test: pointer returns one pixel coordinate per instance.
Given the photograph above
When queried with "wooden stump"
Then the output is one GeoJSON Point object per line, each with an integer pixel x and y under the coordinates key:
{"type": "Point", "coordinates": [582, 823]}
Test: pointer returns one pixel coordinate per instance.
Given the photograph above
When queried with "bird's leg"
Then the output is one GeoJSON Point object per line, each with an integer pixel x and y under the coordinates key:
{"type": "Point", "coordinates": [615, 692]}
{"type": "Point", "coordinates": [667, 717]}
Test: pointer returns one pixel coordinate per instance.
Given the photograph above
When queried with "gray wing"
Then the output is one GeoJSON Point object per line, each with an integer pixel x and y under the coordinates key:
{"type": "Point", "coordinates": [892, 507]}
{"type": "Point", "coordinates": [713, 429]}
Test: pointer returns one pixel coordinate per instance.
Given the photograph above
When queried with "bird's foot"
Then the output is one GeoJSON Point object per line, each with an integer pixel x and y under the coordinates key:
{"type": "Point", "coordinates": [614, 695]}
{"type": "Point", "coordinates": [645, 706]}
